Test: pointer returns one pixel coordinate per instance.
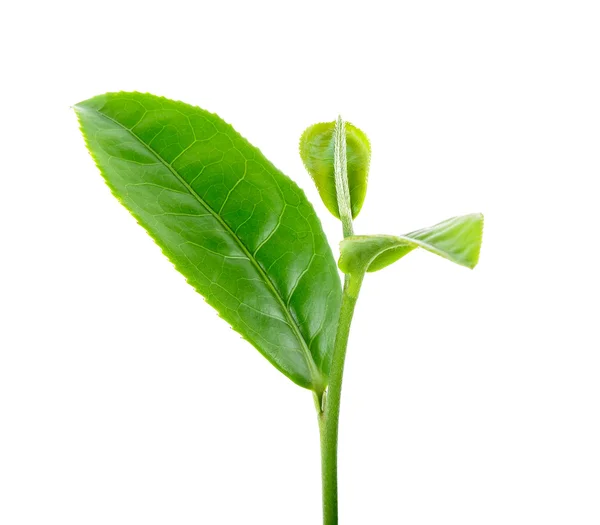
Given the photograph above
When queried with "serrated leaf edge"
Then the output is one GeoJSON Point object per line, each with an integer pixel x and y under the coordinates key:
{"type": "Point", "coordinates": [318, 378]}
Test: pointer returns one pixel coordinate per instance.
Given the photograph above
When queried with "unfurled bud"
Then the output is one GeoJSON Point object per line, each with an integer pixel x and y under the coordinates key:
{"type": "Point", "coordinates": [317, 149]}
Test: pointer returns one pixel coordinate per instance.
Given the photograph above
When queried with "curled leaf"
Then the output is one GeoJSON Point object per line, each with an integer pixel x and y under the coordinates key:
{"type": "Point", "coordinates": [457, 239]}
{"type": "Point", "coordinates": [317, 146]}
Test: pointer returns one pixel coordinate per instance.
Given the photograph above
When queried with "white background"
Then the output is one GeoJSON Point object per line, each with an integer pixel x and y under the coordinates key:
{"type": "Point", "coordinates": [469, 398]}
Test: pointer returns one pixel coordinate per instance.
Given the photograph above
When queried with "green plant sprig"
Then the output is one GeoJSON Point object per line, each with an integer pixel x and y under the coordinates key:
{"type": "Point", "coordinates": [246, 238]}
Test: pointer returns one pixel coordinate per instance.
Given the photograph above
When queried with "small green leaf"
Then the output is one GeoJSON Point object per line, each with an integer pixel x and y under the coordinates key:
{"type": "Point", "coordinates": [240, 231]}
{"type": "Point", "coordinates": [317, 148]}
{"type": "Point", "coordinates": [457, 239]}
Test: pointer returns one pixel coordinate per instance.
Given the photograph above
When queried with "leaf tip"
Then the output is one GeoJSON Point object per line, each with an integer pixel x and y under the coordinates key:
{"type": "Point", "coordinates": [478, 239]}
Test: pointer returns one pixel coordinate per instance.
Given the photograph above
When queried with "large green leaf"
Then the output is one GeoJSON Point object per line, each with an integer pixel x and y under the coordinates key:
{"type": "Point", "coordinates": [241, 232]}
{"type": "Point", "coordinates": [457, 239]}
{"type": "Point", "coordinates": [317, 149]}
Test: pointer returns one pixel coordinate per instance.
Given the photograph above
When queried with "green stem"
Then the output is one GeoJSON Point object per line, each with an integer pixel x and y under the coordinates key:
{"type": "Point", "coordinates": [329, 406]}
{"type": "Point", "coordinates": [328, 403]}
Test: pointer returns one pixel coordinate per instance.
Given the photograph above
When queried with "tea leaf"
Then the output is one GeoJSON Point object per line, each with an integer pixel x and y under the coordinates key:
{"type": "Point", "coordinates": [242, 233]}
{"type": "Point", "coordinates": [317, 149]}
{"type": "Point", "coordinates": [457, 239]}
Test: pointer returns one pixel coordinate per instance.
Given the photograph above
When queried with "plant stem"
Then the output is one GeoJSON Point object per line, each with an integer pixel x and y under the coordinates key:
{"type": "Point", "coordinates": [329, 406]}
{"type": "Point", "coordinates": [328, 403]}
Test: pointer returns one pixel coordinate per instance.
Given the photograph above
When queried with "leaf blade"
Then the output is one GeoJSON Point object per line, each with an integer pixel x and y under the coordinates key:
{"type": "Point", "coordinates": [457, 239]}
{"type": "Point", "coordinates": [241, 232]}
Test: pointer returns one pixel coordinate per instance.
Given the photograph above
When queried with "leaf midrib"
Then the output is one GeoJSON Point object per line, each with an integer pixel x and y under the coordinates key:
{"type": "Point", "coordinates": [316, 375]}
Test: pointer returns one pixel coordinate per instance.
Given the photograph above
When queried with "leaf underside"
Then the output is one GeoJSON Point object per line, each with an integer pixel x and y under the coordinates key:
{"type": "Point", "coordinates": [241, 232]}
{"type": "Point", "coordinates": [457, 239]}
